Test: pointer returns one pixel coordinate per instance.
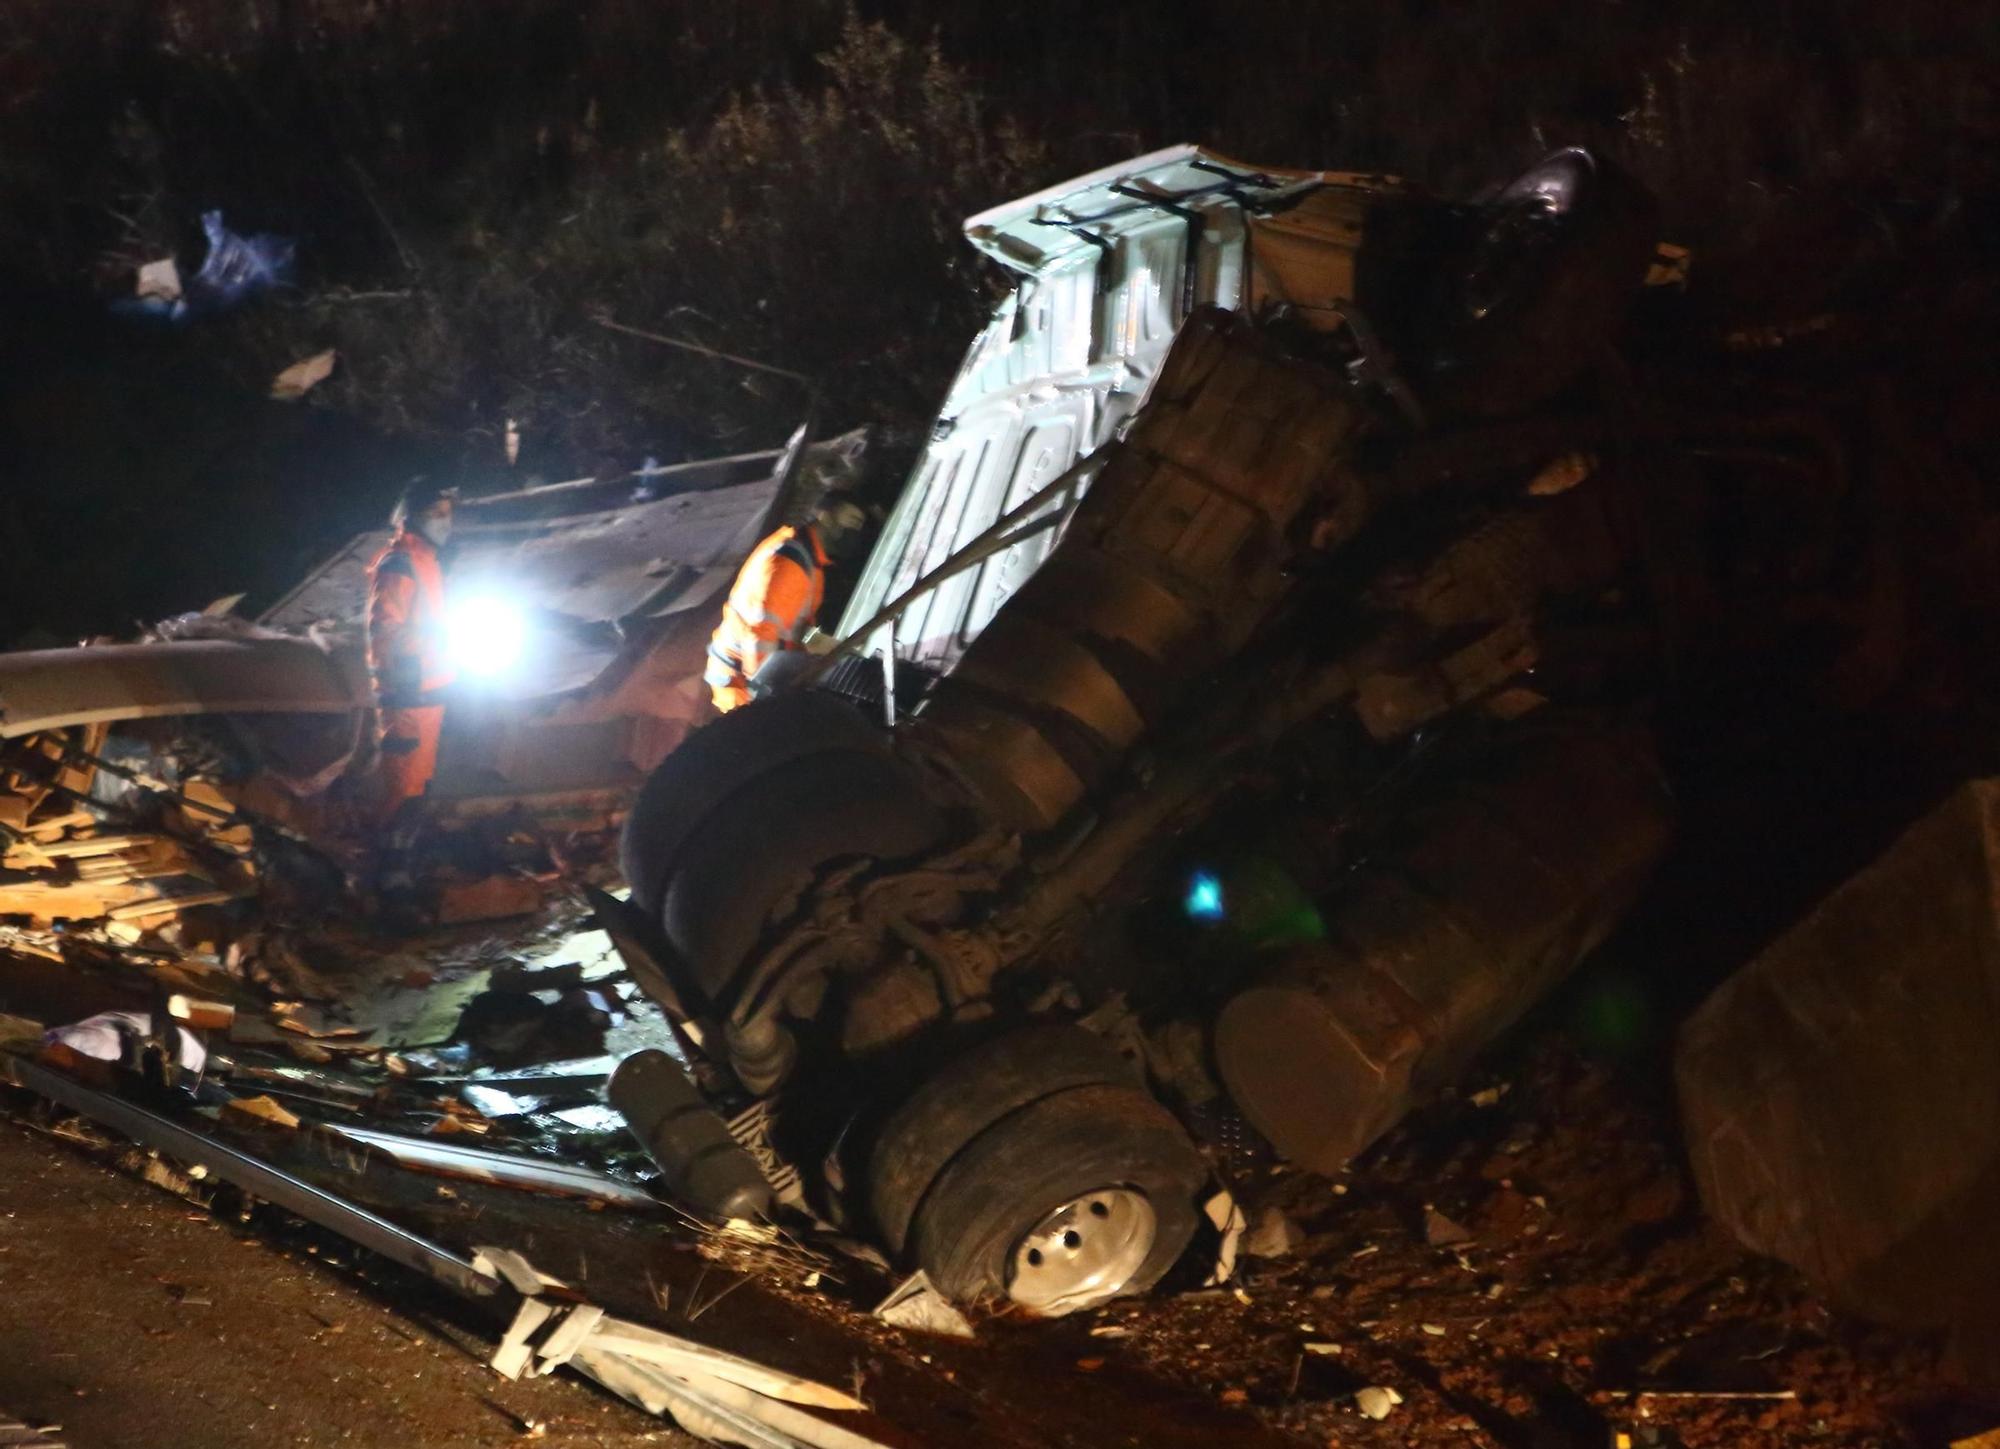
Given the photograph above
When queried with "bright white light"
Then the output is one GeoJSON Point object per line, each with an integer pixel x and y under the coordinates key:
{"type": "Point", "coordinates": [485, 634]}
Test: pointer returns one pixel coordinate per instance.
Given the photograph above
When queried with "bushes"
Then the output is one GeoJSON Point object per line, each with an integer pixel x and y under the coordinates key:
{"type": "Point", "coordinates": [473, 181]}
{"type": "Point", "coordinates": [473, 184]}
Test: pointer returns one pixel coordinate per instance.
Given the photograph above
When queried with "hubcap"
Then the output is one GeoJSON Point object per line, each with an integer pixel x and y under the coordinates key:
{"type": "Point", "coordinates": [1083, 1253]}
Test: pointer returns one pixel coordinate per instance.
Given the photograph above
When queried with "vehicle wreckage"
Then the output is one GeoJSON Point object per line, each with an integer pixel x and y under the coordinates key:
{"type": "Point", "coordinates": [1252, 706]}
{"type": "Point", "coordinates": [1263, 691]}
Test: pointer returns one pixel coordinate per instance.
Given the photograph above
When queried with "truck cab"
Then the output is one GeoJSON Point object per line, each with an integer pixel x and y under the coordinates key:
{"type": "Point", "coordinates": [1109, 265]}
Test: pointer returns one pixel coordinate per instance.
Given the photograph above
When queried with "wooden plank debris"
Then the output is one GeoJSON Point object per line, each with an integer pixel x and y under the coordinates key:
{"type": "Point", "coordinates": [260, 1112]}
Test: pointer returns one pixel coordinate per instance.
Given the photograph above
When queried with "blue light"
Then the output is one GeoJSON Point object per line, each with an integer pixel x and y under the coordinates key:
{"type": "Point", "coordinates": [1203, 901]}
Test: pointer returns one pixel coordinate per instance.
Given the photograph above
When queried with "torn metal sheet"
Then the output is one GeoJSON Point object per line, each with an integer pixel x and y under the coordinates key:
{"type": "Point", "coordinates": [710, 1393]}
{"type": "Point", "coordinates": [720, 1412]}
{"type": "Point", "coordinates": [616, 594]}
{"type": "Point", "coordinates": [1222, 1210]}
{"type": "Point", "coordinates": [499, 1169]}
{"type": "Point", "coordinates": [49, 689]}
{"type": "Point", "coordinates": [16, 1435]}
{"type": "Point", "coordinates": [636, 560]}
{"type": "Point", "coordinates": [646, 558]}
{"type": "Point", "coordinates": [586, 495]}
{"type": "Point", "coordinates": [916, 1304]}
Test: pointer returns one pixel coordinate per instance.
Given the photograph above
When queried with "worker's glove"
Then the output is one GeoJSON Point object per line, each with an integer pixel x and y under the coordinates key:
{"type": "Point", "coordinates": [780, 673]}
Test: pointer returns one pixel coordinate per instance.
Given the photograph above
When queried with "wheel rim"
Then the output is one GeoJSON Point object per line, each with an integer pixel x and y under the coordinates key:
{"type": "Point", "coordinates": [1082, 1253]}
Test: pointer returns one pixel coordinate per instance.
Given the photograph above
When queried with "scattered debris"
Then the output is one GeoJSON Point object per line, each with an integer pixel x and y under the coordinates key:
{"type": "Point", "coordinates": [515, 1028]}
{"type": "Point", "coordinates": [124, 1037]}
{"type": "Point", "coordinates": [1273, 1235]}
{"type": "Point", "coordinates": [1377, 1401]}
{"type": "Point", "coordinates": [487, 898]}
{"type": "Point", "coordinates": [1749, 1395]}
{"type": "Point", "coordinates": [1222, 1211]}
{"type": "Point", "coordinates": [499, 1169]}
{"type": "Point", "coordinates": [201, 1015]}
{"type": "Point", "coordinates": [260, 1112]}
{"type": "Point", "coordinates": [710, 1393]}
{"type": "Point", "coordinates": [235, 270]}
{"type": "Point", "coordinates": [917, 1305]}
{"type": "Point", "coordinates": [303, 376]}
{"type": "Point", "coordinates": [1561, 474]}
{"type": "Point", "coordinates": [1441, 1232]}
{"type": "Point", "coordinates": [158, 280]}
{"type": "Point", "coordinates": [16, 1435]}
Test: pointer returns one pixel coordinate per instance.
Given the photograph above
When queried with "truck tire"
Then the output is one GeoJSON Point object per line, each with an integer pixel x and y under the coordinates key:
{"type": "Point", "coordinates": [975, 1090]}
{"type": "Point", "coordinates": [720, 758]}
{"type": "Point", "coordinates": [1081, 1197]}
{"type": "Point", "coordinates": [1553, 264]}
{"type": "Point", "coordinates": [764, 840]}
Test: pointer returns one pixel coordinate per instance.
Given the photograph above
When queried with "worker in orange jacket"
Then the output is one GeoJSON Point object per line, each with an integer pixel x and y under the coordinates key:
{"type": "Point", "coordinates": [775, 600]}
{"type": "Point", "coordinates": [406, 642]}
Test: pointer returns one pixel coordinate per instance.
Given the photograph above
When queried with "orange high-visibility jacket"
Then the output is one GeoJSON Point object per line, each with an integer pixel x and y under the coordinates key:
{"type": "Point", "coordinates": [406, 623]}
{"type": "Point", "coordinates": [775, 599]}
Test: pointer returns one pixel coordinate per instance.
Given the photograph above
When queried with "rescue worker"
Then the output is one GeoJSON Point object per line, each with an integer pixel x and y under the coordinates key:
{"type": "Point", "coordinates": [406, 642]}
{"type": "Point", "coordinates": [775, 600]}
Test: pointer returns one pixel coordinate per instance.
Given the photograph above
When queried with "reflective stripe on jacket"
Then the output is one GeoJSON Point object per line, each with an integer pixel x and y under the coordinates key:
{"type": "Point", "coordinates": [406, 622]}
{"type": "Point", "coordinates": [775, 599]}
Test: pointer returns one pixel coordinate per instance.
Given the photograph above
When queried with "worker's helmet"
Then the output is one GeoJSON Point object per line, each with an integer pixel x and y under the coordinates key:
{"type": "Point", "coordinates": [419, 496]}
{"type": "Point", "coordinates": [839, 515]}
{"type": "Point", "coordinates": [842, 526]}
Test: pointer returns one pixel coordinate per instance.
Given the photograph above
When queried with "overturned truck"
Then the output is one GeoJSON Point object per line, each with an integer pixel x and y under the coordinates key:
{"type": "Point", "coordinates": [1247, 713]}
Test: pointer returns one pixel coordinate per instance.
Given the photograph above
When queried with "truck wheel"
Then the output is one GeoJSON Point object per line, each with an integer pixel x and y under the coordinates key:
{"type": "Point", "coordinates": [716, 761]}
{"type": "Point", "coordinates": [1553, 265]}
{"type": "Point", "coordinates": [976, 1089]}
{"type": "Point", "coordinates": [762, 843]}
{"type": "Point", "coordinates": [1081, 1197]}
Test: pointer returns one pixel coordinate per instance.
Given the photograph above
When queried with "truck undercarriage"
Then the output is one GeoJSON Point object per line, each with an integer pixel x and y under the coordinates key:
{"type": "Point", "coordinates": [1326, 737]}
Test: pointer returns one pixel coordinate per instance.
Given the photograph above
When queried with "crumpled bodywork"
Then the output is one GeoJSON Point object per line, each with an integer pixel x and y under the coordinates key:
{"type": "Point", "coordinates": [47, 689]}
{"type": "Point", "coordinates": [1111, 265]}
{"type": "Point", "coordinates": [632, 566]}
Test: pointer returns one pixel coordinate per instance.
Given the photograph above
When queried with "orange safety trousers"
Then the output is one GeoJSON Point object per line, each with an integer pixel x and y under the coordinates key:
{"type": "Point", "coordinates": [775, 599]}
{"type": "Point", "coordinates": [409, 754]}
{"type": "Point", "coordinates": [407, 658]}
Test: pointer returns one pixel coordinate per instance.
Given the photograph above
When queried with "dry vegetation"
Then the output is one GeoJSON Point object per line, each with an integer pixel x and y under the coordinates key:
{"type": "Point", "coordinates": [474, 181]}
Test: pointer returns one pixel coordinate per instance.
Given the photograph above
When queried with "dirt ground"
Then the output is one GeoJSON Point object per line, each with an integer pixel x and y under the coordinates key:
{"type": "Point", "coordinates": [1530, 1269]}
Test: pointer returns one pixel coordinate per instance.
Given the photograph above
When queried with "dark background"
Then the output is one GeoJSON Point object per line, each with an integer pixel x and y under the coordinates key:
{"type": "Point", "coordinates": [472, 182]}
